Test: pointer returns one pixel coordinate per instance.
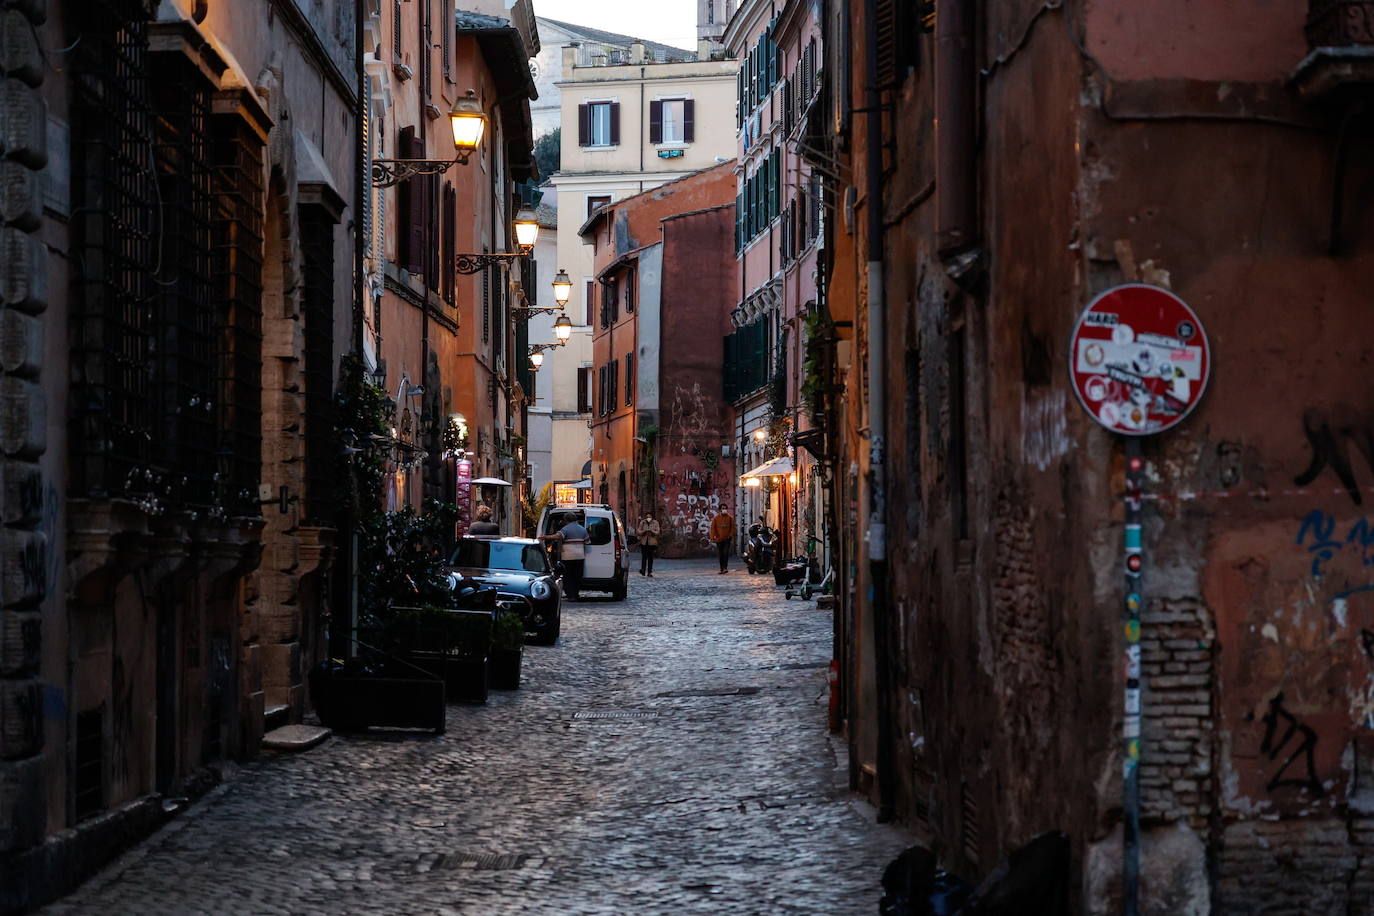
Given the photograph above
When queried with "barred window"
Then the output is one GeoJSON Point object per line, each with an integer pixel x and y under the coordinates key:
{"type": "Point", "coordinates": [114, 251]}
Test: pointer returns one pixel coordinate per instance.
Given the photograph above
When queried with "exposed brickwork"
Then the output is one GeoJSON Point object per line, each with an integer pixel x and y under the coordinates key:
{"type": "Point", "coordinates": [1287, 868]}
{"type": "Point", "coordinates": [1176, 759]}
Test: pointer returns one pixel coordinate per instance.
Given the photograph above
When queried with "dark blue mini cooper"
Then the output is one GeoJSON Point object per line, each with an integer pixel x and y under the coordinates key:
{"type": "Point", "coordinates": [524, 578]}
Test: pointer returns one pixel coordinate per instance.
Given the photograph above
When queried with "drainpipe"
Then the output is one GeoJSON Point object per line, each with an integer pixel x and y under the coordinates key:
{"type": "Point", "coordinates": [954, 115]}
{"type": "Point", "coordinates": [876, 536]}
{"type": "Point", "coordinates": [431, 216]}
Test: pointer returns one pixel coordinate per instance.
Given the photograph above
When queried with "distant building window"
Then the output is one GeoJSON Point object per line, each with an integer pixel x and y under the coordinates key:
{"type": "Point", "coordinates": [598, 124]}
{"type": "Point", "coordinates": [671, 120]}
{"type": "Point", "coordinates": [710, 12]}
{"type": "Point", "coordinates": [596, 202]}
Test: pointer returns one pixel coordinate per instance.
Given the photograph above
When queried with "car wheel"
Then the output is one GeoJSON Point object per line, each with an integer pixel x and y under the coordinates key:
{"type": "Point", "coordinates": [622, 587]}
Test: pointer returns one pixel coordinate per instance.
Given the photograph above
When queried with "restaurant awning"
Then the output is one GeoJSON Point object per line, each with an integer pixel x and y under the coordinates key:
{"type": "Point", "coordinates": [493, 481]}
{"type": "Point", "coordinates": [778, 467]}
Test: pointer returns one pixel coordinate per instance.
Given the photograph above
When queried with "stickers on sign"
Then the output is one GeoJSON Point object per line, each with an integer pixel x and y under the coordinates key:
{"type": "Point", "coordinates": [1139, 359]}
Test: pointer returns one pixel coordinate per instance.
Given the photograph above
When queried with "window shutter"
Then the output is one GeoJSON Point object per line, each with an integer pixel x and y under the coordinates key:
{"type": "Point", "coordinates": [887, 42]}
{"type": "Point", "coordinates": [739, 216]}
{"type": "Point", "coordinates": [367, 169]}
{"type": "Point", "coordinates": [601, 390]}
{"type": "Point", "coordinates": [581, 390]}
{"type": "Point", "coordinates": [615, 123]}
{"type": "Point", "coordinates": [629, 292]}
{"type": "Point", "coordinates": [739, 97]}
{"type": "Point", "coordinates": [655, 122]}
{"type": "Point", "coordinates": [486, 305]}
{"type": "Point", "coordinates": [584, 124]}
{"type": "Point", "coordinates": [396, 30]}
{"type": "Point", "coordinates": [629, 379]}
{"type": "Point", "coordinates": [689, 121]}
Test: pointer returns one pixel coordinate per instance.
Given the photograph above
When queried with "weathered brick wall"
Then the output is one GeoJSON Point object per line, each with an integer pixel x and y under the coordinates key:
{"type": "Point", "coordinates": [1176, 756]}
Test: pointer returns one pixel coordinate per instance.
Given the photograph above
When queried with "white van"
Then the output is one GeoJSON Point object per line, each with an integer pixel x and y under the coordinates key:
{"type": "Point", "coordinates": [607, 567]}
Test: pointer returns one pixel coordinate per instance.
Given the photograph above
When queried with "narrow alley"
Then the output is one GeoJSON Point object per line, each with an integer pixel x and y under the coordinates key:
{"type": "Point", "coordinates": [669, 755]}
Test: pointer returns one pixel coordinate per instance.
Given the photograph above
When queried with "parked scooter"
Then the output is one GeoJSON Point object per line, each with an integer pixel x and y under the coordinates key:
{"type": "Point", "coordinates": [759, 553]}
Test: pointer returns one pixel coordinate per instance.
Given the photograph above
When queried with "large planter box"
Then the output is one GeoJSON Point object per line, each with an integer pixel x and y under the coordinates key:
{"type": "Point", "coordinates": [351, 701]}
{"type": "Point", "coordinates": [452, 645]}
{"type": "Point", "coordinates": [505, 668]}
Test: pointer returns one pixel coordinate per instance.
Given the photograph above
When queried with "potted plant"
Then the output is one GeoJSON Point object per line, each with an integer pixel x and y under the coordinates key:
{"type": "Point", "coordinates": [451, 644]}
{"type": "Point", "coordinates": [507, 650]}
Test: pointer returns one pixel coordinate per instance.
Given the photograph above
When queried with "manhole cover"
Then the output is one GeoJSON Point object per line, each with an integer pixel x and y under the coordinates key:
{"type": "Point", "coordinates": [713, 692]}
{"type": "Point", "coordinates": [616, 714]}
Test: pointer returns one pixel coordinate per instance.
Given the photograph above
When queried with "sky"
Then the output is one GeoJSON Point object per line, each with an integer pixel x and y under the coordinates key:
{"type": "Point", "coordinates": [670, 22]}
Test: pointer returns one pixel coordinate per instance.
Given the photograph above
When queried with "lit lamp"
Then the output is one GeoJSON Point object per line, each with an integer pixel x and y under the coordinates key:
{"type": "Point", "coordinates": [562, 328]}
{"type": "Point", "coordinates": [526, 229]}
{"type": "Point", "coordinates": [760, 435]}
{"type": "Point", "coordinates": [562, 289]}
{"type": "Point", "coordinates": [752, 482]}
{"type": "Point", "coordinates": [536, 360]}
{"type": "Point", "coordinates": [468, 121]}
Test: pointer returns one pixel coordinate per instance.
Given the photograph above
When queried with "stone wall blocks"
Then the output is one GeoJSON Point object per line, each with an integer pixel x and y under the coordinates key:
{"type": "Point", "coordinates": [23, 124]}
{"type": "Point", "coordinates": [21, 719]}
{"type": "Point", "coordinates": [19, 55]}
{"type": "Point", "coordinates": [20, 642]}
{"type": "Point", "coordinates": [21, 343]}
{"type": "Point", "coordinates": [21, 196]}
{"type": "Point", "coordinates": [21, 493]}
{"type": "Point", "coordinates": [23, 809]}
{"type": "Point", "coordinates": [23, 567]}
{"type": "Point", "coordinates": [23, 271]}
{"type": "Point", "coordinates": [23, 418]}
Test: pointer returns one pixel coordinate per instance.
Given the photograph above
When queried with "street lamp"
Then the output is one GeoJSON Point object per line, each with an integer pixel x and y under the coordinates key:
{"type": "Point", "coordinates": [526, 230]}
{"type": "Point", "coordinates": [562, 287]}
{"type": "Point", "coordinates": [526, 227]}
{"type": "Point", "coordinates": [536, 360]}
{"type": "Point", "coordinates": [468, 122]}
{"type": "Point", "coordinates": [562, 328]}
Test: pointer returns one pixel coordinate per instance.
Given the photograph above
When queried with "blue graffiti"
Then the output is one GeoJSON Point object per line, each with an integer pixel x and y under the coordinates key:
{"type": "Point", "coordinates": [1319, 535]}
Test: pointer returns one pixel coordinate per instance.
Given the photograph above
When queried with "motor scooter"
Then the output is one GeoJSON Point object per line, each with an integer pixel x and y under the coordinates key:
{"type": "Point", "coordinates": [758, 555]}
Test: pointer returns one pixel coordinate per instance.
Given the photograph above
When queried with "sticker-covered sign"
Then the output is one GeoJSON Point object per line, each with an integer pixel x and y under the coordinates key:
{"type": "Point", "coordinates": [1139, 359]}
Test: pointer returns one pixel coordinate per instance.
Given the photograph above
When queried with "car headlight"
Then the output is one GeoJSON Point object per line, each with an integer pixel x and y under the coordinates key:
{"type": "Point", "coordinates": [540, 590]}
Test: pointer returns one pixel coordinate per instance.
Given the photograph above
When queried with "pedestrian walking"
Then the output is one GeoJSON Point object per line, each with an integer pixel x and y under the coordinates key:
{"type": "Point", "coordinates": [484, 524]}
{"type": "Point", "coordinates": [722, 534]}
{"type": "Point", "coordinates": [648, 544]}
{"type": "Point", "coordinates": [572, 551]}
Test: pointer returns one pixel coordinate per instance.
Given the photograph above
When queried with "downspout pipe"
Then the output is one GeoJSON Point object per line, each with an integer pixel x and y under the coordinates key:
{"type": "Point", "coordinates": [954, 131]}
{"type": "Point", "coordinates": [361, 186]}
{"type": "Point", "coordinates": [876, 536]}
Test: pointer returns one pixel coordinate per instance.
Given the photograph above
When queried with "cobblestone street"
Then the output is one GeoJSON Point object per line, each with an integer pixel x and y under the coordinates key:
{"type": "Point", "coordinates": [669, 755]}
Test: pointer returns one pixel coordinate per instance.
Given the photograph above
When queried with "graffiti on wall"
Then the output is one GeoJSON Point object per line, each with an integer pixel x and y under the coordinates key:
{"type": "Point", "coordinates": [1284, 733]}
{"type": "Point", "coordinates": [1323, 540]}
{"type": "Point", "coordinates": [1331, 434]}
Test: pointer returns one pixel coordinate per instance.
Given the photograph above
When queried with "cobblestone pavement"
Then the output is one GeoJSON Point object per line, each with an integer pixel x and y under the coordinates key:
{"type": "Point", "coordinates": [708, 785]}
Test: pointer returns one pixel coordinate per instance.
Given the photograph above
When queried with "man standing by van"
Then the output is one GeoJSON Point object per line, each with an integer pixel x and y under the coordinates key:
{"type": "Point", "coordinates": [722, 533]}
{"type": "Point", "coordinates": [572, 542]}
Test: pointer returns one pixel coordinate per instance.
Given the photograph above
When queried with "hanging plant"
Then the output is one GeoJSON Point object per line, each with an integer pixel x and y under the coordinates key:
{"type": "Point", "coordinates": [816, 362]}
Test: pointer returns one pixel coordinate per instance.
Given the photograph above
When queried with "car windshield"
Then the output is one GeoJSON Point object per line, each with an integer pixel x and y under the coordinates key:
{"type": "Point", "coordinates": [475, 554]}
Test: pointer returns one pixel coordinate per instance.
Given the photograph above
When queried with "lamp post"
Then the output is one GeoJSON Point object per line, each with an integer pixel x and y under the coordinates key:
{"type": "Point", "coordinates": [562, 287]}
{"type": "Point", "coordinates": [526, 230]}
{"type": "Point", "coordinates": [468, 123]}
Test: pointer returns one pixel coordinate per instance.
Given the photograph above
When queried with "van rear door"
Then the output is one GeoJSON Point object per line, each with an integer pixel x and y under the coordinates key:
{"type": "Point", "coordinates": [600, 548]}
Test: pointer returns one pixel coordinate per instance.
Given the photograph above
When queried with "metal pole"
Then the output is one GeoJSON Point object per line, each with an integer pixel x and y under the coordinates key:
{"type": "Point", "coordinates": [1130, 725]}
{"type": "Point", "coordinates": [876, 415]}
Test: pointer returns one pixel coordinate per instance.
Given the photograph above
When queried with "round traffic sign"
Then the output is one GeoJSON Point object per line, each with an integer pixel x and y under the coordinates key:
{"type": "Point", "coordinates": [1139, 359]}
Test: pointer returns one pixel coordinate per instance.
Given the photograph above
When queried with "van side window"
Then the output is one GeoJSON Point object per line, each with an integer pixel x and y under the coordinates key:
{"type": "Point", "coordinates": [599, 530]}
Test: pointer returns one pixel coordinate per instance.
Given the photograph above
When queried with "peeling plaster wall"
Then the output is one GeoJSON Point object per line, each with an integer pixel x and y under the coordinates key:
{"type": "Point", "coordinates": [1258, 626]}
